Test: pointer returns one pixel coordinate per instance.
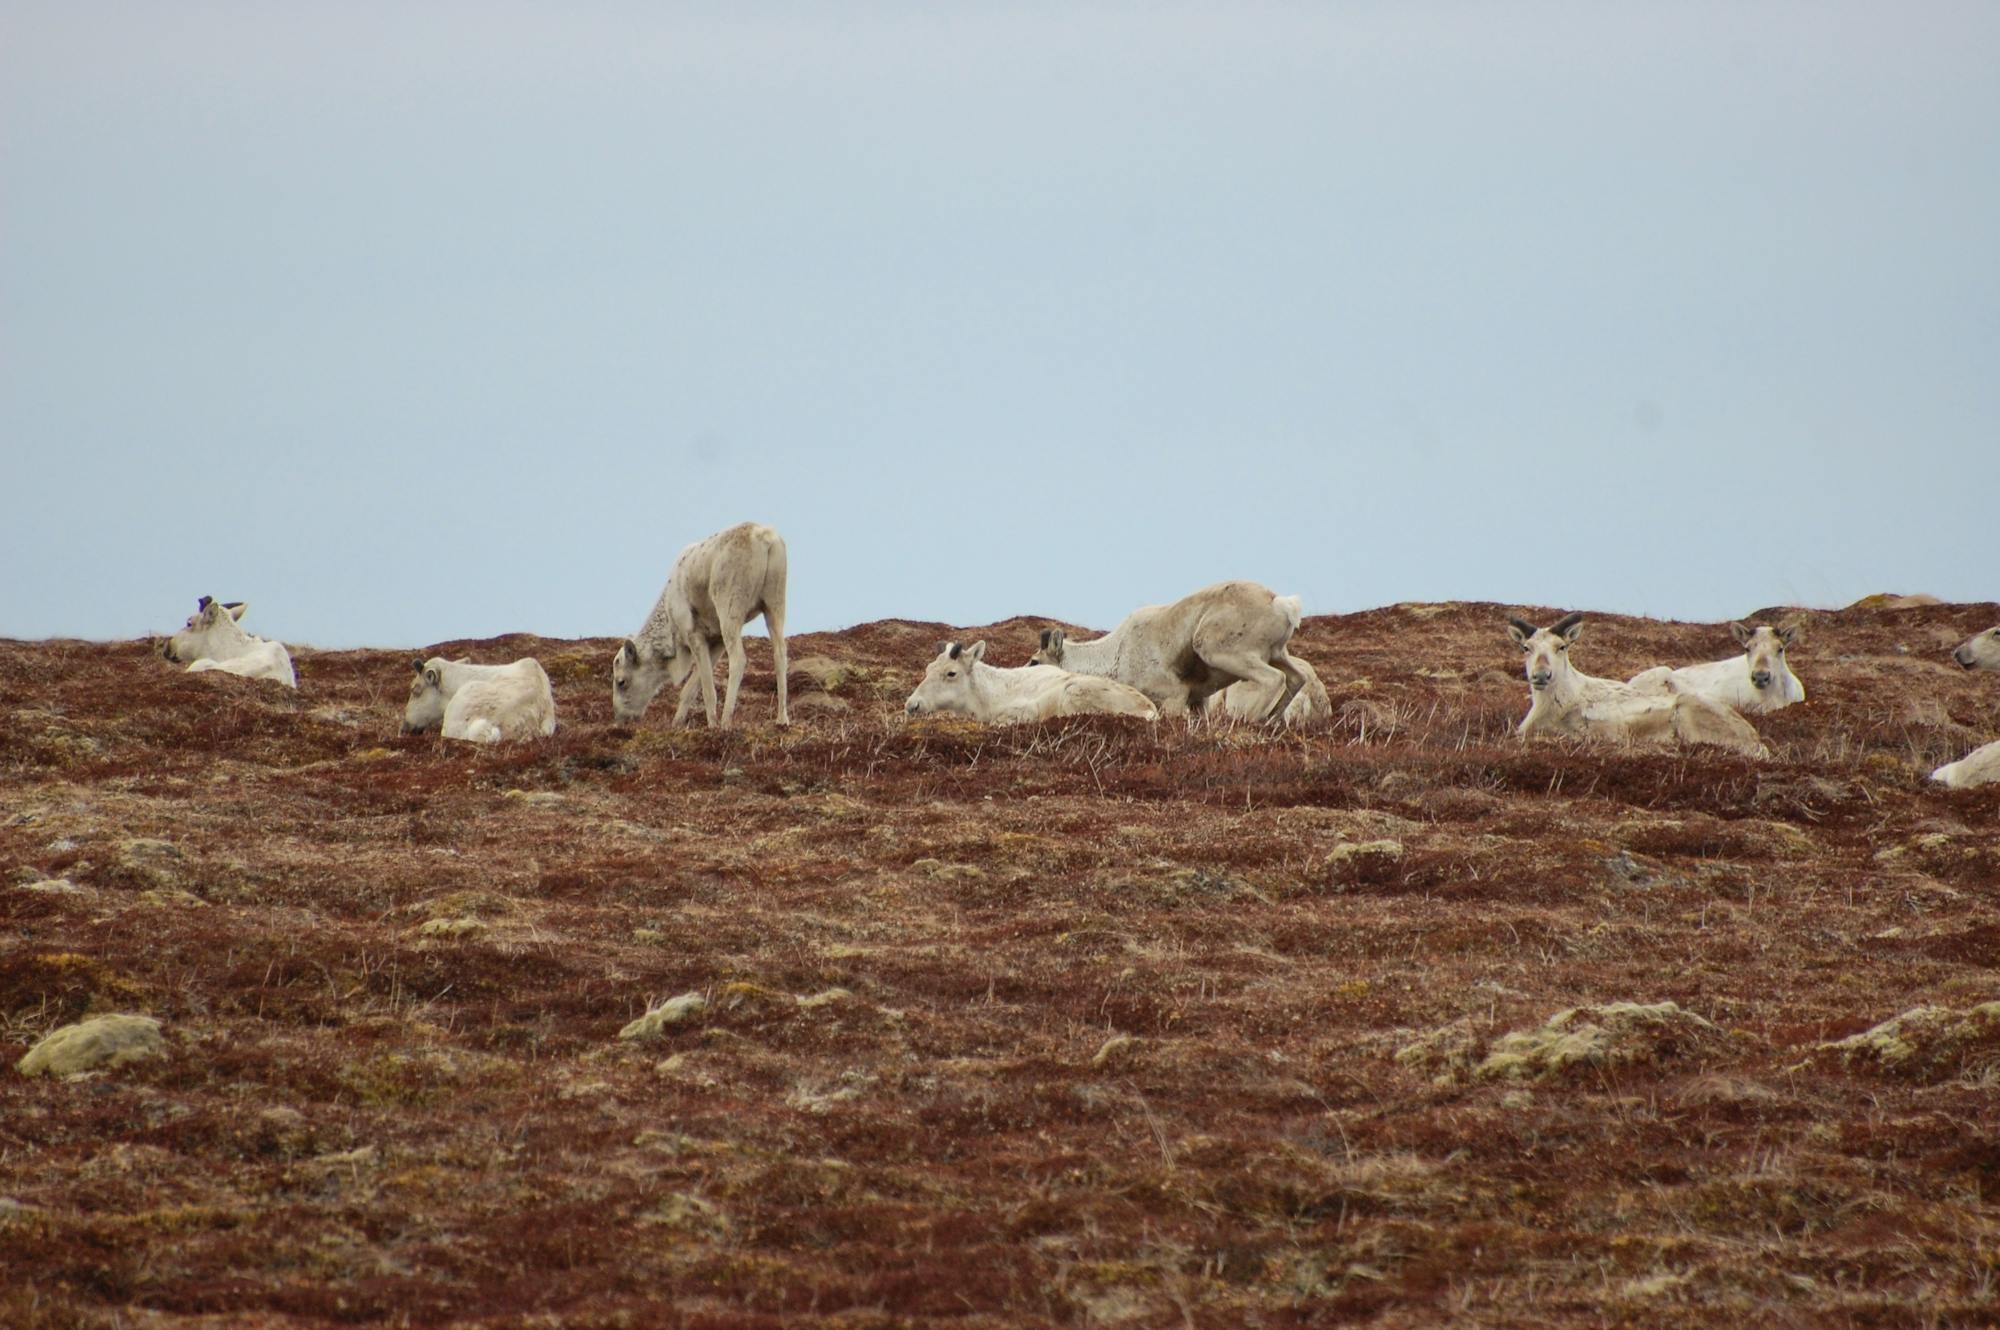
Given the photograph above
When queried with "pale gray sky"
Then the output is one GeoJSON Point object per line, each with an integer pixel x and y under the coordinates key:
{"type": "Point", "coordinates": [415, 321]}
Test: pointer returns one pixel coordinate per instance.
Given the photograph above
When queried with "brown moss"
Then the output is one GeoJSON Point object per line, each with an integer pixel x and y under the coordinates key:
{"type": "Point", "coordinates": [917, 941]}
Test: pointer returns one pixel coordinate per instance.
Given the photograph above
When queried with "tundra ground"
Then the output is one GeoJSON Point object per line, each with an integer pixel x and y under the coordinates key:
{"type": "Point", "coordinates": [1086, 1023]}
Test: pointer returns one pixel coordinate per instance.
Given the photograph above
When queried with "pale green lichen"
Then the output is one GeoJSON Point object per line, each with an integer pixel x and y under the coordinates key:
{"type": "Point", "coordinates": [100, 1043]}
{"type": "Point", "coordinates": [671, 1012]}
{"type": "Point", "coordinates": [1448, 1052]}
{"type": "Point", "coordinates": [1617, 1034]}
{"type": "Point", "coordinates": [1928, 1043]}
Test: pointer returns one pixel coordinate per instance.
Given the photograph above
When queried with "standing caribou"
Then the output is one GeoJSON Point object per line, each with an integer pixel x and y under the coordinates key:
{"type": "Point", "coordinates": [715, 587]}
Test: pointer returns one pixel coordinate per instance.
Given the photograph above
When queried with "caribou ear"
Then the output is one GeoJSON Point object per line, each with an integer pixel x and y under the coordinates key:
{"type": "Point", "coordinates": [203, 603]}
{"type": "Point", "coordinates": [237, 609]}
{"type": "Point", "coordinates": [1789, 634]}
{"type": "Point", "coordinates": [1742, 632]}
{"type": "Point", "coordinates": [629, 652]}
{"type": "Point", "coordinates": [1569, 627]}
{"type": "Point", "coordinates": [431, 678]}
{"type": "Point", "coordinates": [977, 651]}
{"type": "Point", "coordinates": [952, 649]}
{"type": "Point", "coordinates": [1047, 633]}
{"type": "Point", "coordinates": [1520, 631]}
{"type": "Point", "coordinates": [1053, 639]}
{"type": "Point", "coordinates": [417, 665]}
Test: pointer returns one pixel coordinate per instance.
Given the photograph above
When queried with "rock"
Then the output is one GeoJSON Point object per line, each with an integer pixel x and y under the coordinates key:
{"type": "Point", "coordinates": [1364, 863]}
{"type": "Point", "coordinates": [452, 928]}
{"type": "Point", "coordinates": [1658, 1286]}
{"type": "Point", "coordinates": [824, 672]}
{"type": "Point", "coordinates": [283, 1132]}
{"type": "Point", "coordinates": [1371, 716]}
{"type": "Point", "coordinates": [1616, 1034]}
{"type": "Point", "coordinates": [336, 715]}
{"type": "Point", "coordinates": [671, 1012]}
{"type": "Point", "coordinates": [54, 886]}
{"type": "Point", "coordinates": [1448, 1052]}
{"type": "Point", "coordinates": [171, 898]}
{"type": "Point", "coordinates": [102, 1042]}
{"type": "Point", "coordinates": [821, 702]}
{"type": "Point", "coordinates": [825, 998]}
{"type": "Point", "coordinates": [1713, 1090]}
{"type": "Point", "coordinates": [363, 1156]}
{"type": "Point", "coordinates": [154, 863]}
{"type": "Point", "coordinates": [939, 868]}
{"type": "Point", "coordinates": [1462, 805]}
{"type": "Point", "coordinates": [1403, 784]}
{"type": "Point", "coordinates": [678, 1065]}
{"type": "Point", "coordinates": [687, 1213]}
{"type": "Point", "coordinates": [742, 992]}
{"type": "Point", "coordinates": [1366, 849]}
{"type": "Point", "coordinates": [1182, 884]}
{"type": "Point", "coordinates": [1117, 1049]}
{"type": "Point", "coordinates": [822, 1099]}
{"type": "Point", "coordinates": [1926, 1043]}
{"type": "Point", "coordinates": [1889, 600]}
{"type": "Point", "coordinates": [1636, 872]}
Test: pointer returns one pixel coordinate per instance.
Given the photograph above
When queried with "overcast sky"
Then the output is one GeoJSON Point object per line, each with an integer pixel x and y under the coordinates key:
{"type": "Point", "coordinates": [413, 321]}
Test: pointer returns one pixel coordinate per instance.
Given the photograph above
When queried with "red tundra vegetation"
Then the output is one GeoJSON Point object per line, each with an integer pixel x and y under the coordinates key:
{"type": "Point", "coordinates": [1401, 1022]}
